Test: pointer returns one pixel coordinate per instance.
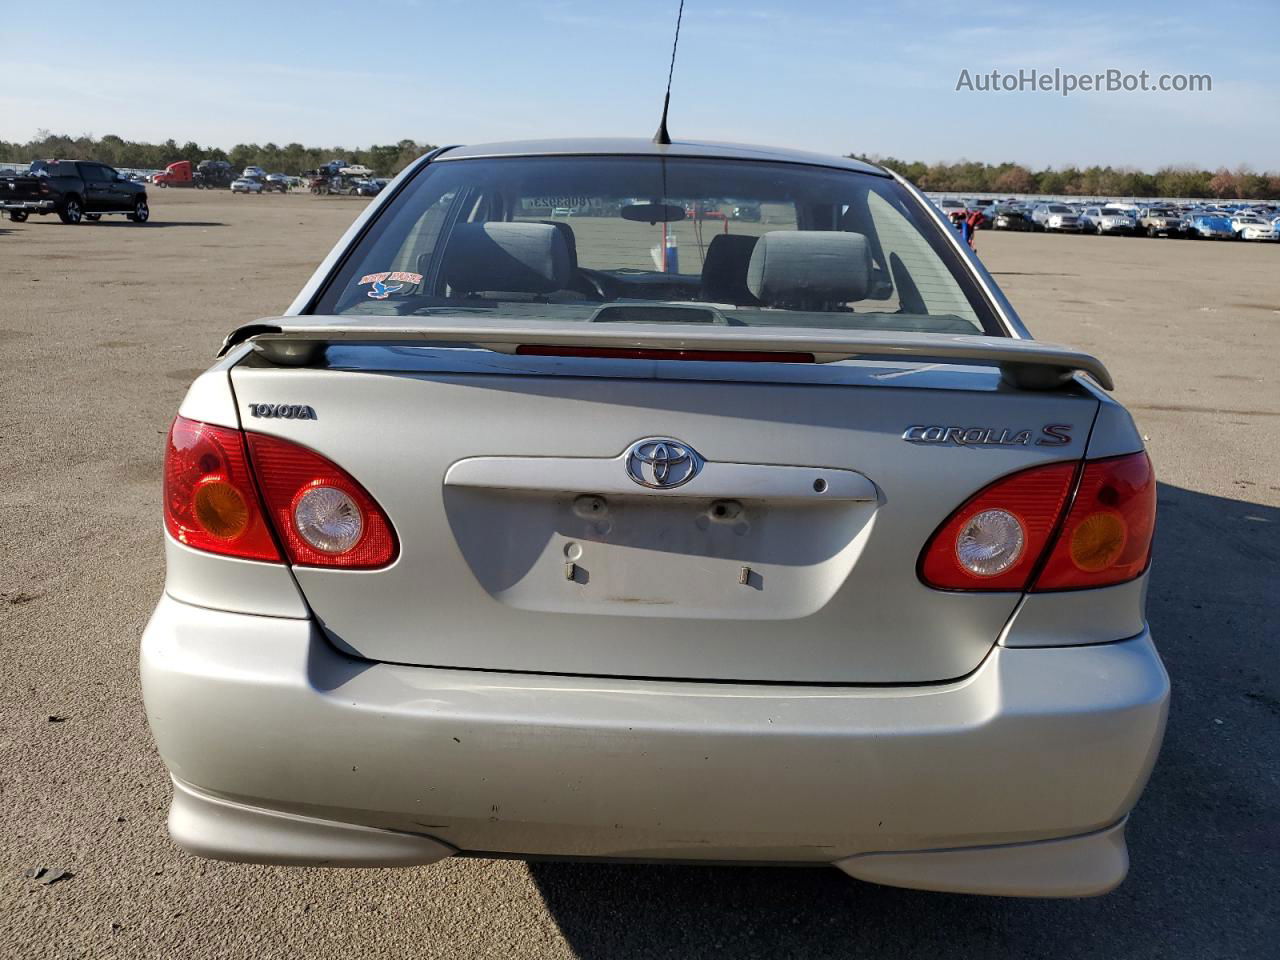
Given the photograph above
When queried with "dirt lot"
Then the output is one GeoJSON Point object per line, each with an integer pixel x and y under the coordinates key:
{"type": "Point", "coordinates": [103, 326]}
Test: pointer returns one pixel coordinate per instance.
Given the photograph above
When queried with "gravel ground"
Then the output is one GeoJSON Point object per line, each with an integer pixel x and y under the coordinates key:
{"type": "Point", "coordinates": [103, 326]}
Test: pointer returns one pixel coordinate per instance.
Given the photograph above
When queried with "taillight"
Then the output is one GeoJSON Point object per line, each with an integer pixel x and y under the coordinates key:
{"type": "Point", "coordinates": [324, 517]}
{"type": "Point", "coordinates": [994, 540]}
{"type": "Point", "coordinates": [1001, 536]}
{"type": "Point", "coordinates": [210, 502]}
{"type": "Point", "coordinates": [1107, 535]}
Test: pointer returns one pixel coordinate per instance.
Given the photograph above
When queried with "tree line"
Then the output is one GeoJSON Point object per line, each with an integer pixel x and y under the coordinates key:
{"type": "Point", "coordinates": [1012, 178]}
{"type": "Point", "coordinates": [292, 158]}
{"type": "Point", "coordinates": [389, 159]}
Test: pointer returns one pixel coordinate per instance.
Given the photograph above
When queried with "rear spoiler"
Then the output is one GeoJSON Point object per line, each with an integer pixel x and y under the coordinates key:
{"type": "Point", "coordinates": [1028, 364]}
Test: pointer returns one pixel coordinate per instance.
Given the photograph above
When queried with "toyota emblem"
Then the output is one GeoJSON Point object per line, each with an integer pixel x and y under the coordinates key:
{"type": "Point", "coordinates": [661, 463]}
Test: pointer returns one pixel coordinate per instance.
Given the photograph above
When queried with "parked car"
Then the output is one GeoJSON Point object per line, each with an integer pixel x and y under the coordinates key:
{"type": "Point", "coordinates": [75, 190]}
{"type": "Point", "coordinates": [246, 185]}
{"type": "Point", "coordinates": [253, 173]}
{"type": "Point", "coordinates": [1207, 226]}
{"type": "Point", "coordinates": [545, 620]}
{"type": "Point", "coordinates": [277, 182]}
{"type": "Point", "coordinates": [1160, 222]}
{"type": "Point", "coordinates": [1250, 226]}
{"type": "Point", "coordinates": [1055, 217]}
{"type": "Point", "coordinates": [1012, 218]}
{"type": "Point", "coordinates": [1100, 220]}
{"type": "Point", "coordinates": [371, 186]}
{"type": "Point", "coordinates": [950, 207]}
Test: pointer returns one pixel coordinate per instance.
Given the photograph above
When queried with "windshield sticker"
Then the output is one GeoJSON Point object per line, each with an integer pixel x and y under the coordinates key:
{"type": "Point", "coordinates": [381, 289]}
{"type": "Point", "coordinates": [569, 202]}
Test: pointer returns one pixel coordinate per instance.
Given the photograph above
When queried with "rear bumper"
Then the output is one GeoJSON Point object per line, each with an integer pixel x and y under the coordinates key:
{"type": "Point", "coordinates": [1016, 780]}
{"type": "Point", "coordinates": [32, 206]}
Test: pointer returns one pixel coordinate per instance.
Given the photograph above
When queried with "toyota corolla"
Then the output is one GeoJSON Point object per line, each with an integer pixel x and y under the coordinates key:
{"type": "Point", "coordinates": [658, 537]}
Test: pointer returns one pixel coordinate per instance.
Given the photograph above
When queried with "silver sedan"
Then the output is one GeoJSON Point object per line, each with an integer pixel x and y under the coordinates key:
{"type": "Point", "coordinates": [779, 542]}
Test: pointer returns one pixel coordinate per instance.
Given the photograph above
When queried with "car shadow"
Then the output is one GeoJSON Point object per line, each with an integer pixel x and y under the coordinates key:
{"type": "Point", "coordinates": [117, 220]}
{"type": "Point", "coordinates": [1204, 841]}
{"type": "Point", "coordinates": [154, 224]}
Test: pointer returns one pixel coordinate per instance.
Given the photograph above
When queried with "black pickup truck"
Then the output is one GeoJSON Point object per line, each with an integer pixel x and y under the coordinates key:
{"type": "Point", "coordinates": [73, 189]}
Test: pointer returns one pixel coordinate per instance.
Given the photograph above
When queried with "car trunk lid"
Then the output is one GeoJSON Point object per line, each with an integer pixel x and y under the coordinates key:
{"type": "Point", "coordinates": [527, 543]}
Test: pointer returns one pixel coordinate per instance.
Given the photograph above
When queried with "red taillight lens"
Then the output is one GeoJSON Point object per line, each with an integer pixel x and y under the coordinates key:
{"type": "Point", "coordinates": [1107, 536]}
{"type": "Point", "coordinates": [324, 517]}
{"type": "Point", "coordinates": [209, 498]}
{"type": "Point", "coordinates": [995, 539]}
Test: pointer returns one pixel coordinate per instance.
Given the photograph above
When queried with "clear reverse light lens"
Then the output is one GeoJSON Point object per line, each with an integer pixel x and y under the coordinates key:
{"type": "Point", "coordinates": [990, 543]}
{"type": "Point", "coordinates": [328, 519]}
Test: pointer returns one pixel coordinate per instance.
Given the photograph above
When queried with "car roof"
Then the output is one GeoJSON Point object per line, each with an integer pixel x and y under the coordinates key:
{"type": "Point", "coordinates": [625, 146]}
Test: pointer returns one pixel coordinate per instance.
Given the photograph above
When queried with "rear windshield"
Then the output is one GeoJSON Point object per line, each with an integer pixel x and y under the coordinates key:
{"type": "Point", "coordinates": [651, 239]}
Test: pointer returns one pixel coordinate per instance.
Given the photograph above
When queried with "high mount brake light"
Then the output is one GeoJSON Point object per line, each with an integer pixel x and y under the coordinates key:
{"type": "Point", "coordinates": [996, 539]}
{"type": "Point", "coordinates": [644, 353]}
{"type": "Point", "coordinates": [320, 514]}
{"type": "Point", "coordinates": [324, 517]}
{"type": "Point", "coordinates": [209, 498]}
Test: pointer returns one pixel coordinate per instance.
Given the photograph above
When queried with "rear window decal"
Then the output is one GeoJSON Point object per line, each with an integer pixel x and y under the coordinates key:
{"type": "Point", "coordinates": [381, 289]}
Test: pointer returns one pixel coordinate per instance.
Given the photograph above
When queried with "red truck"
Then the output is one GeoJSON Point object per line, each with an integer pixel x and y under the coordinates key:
{"type": "Point", "coordinates": [208, 175]}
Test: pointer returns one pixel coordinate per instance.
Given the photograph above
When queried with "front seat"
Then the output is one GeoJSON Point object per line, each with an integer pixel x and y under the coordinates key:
{"type": "Point", "coordinates": [577, 282]}
{"type": "Point", "coordinates": [724, 272]}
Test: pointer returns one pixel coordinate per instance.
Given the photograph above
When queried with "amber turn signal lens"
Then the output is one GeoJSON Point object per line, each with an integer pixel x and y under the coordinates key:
{"type": "Point", "coordinates": [1106, 538]}
{"type": "Point", "coordinates": [1098, 542]}
{"type": "Point", "coordinates": [220, 509]}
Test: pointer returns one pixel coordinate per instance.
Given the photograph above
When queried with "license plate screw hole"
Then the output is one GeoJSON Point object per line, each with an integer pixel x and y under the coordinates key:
{"type": "Point", "coordinates": [590, 506]}
{"type": "Point", "coordinates": [725, 510]}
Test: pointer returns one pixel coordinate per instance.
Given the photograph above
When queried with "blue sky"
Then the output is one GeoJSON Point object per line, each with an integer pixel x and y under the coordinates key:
{"type": "Point", "coordinates": [828, 76]}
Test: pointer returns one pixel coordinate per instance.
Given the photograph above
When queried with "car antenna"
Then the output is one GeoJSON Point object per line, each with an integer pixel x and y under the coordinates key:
{"type": "Point", "coordinates": [662, 136]}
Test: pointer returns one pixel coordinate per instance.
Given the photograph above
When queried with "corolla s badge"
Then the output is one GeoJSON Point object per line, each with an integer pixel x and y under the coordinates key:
{"type": "Point", "coordinates": [661, 463]}
{"type": "Point", "coordinates": [1051, 435]}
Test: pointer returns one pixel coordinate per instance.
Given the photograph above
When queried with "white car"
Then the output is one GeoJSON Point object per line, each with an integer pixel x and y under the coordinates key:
{"type": "Point", "coordinates": [1250, 226]}
{"type": "Point", "coordinates": [246, 185]}
{"type": "Point", "coordinates": [1100, 220]}
{"type": "Point", "coordinates": [1056, 217]}
{"type": "Point", "coordinates": [480, 550]}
